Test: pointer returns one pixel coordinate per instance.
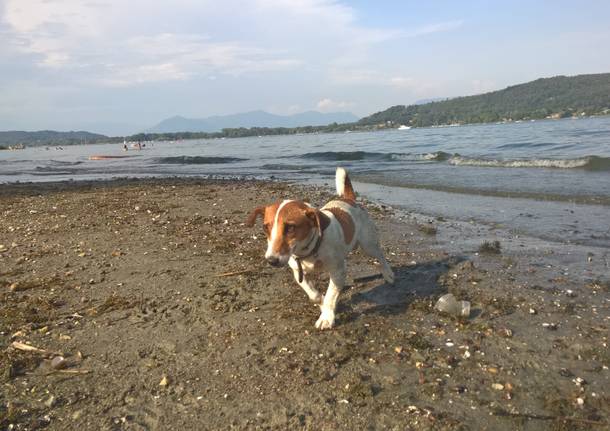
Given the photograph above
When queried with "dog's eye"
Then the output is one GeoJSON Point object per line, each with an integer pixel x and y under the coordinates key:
{"type": "Point", "coordinates": [267, 227]}
{"type": "Point", "coordinates": [289, 228]}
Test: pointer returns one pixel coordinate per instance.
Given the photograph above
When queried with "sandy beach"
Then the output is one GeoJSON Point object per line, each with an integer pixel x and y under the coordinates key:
{"type": "Point", "coordinates": [159, 300]}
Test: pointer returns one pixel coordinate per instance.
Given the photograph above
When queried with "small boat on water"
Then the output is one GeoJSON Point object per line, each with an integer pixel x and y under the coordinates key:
{"type": "Point", "coordinates": [403, 127]}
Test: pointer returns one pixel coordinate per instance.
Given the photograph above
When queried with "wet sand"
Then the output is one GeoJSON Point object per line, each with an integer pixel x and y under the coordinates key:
{"type": "Point", "coordinates": [158, 297]}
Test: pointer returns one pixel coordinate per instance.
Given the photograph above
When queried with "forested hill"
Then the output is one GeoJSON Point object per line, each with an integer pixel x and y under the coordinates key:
{"type": "Point", "coordinates": [557, 97]}
{"type": "Point", "coordinates": [49, 137]}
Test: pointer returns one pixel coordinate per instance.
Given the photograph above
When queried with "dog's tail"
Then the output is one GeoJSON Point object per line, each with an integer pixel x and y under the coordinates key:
{"type": "Point", "coordinates": [344, 185]}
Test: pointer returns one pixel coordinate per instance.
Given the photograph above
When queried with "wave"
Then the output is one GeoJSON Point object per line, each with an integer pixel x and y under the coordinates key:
{"type": "Point", "coordinates": [438, 156]}
{"type": "Point", "coordinates": [50, 170]}
{"type": "Point", "coordinates": [281, 167]}
{"type": "Point", "coordinates": [341, 156]}
{"type": "Point", "coordinates": [196, 160]}
{"type": "Point", "coordinates": [64, 163]}
{"type": "Point", "coordinates": [591, 163]}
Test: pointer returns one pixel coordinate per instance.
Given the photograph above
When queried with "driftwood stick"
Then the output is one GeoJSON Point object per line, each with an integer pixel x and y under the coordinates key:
{"type": "Point", "coordinates": [69, 372]}
{"type": "Point", "coordinates": [229, 274]}
{"type": "Point", "coordinates": [28, 348]}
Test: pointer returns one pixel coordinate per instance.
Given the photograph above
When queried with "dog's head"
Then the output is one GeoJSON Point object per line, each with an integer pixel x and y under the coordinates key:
{"type": "Point", "coordinates": [289, 226]}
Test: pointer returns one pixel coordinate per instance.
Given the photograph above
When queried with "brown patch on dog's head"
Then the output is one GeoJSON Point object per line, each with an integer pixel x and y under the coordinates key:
{"type": "Point", "coordinates": [295, 221]}
{"type": "Point", "coordinates": [322, 221]}
{"type": "Point", "coordinates": [286, 224]}
{"type": "Point", "coordinates": [268, 213]}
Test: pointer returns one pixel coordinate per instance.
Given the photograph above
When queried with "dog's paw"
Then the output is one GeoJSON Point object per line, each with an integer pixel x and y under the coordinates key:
{"type": "Point", "coordinates": [326, 320]}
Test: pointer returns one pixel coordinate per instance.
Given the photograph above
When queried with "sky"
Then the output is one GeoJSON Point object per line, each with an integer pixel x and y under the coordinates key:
{"type": "Point", "coordinates": [118, 67]}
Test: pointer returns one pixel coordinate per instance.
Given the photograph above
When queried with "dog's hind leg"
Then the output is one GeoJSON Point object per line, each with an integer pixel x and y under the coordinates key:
{"type": "Point", "coordinates": [369, 242]}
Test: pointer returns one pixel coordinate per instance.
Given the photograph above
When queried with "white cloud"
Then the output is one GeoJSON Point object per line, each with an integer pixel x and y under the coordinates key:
{"type": "Point", "coordinates": [70, 34]}
{"type": "Point", "coordinates": [130, 43]}
{"type": "Point", "coordinates": [142, 74]}
{"type": "Point", "coordinates": [326, 105]}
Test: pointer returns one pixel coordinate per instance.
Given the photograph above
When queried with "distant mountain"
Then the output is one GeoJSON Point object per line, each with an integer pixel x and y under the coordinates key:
{"type": "Point", "coordinates": [557, 97]}
{"type": "Point", "coordinates": [250, 119]}
{"type": "Point", "coordinates": [49, 137]}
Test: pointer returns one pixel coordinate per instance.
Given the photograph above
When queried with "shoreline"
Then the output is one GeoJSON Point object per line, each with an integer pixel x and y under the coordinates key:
{"type": "Point", "coordinates": [133, 138]}
{"type": "Point", "coordinates": [128, 279]}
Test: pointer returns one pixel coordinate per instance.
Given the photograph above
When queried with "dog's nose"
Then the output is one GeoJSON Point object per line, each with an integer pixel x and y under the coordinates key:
{"type": "Point", "coordinates": [273, 261]}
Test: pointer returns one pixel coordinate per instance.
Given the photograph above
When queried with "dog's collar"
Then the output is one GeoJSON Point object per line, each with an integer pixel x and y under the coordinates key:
{"type": "Point", "coordinates": [312, 252]}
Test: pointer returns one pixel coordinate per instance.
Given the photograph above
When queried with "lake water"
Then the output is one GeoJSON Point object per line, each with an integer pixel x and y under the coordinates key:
{"type": "Point", "coordinates": [549, 179]}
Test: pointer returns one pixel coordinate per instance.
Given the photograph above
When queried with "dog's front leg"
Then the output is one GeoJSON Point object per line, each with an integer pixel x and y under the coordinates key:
{"type": "Point", "coordinates": [312, 292]}
{"type": "Point", "coordinates": [327, 318]}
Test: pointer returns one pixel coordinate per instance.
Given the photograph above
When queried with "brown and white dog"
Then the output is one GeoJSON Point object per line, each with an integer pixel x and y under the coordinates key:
{"type": "Point", "coordinates": [310, 240]}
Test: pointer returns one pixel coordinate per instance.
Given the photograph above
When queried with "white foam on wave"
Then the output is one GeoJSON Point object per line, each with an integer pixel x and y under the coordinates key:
{"type": "Point", "coordinates": [438, 155]}
{"type": "Point", "coordinates": [403, 157]}
{"type": "Point", "coordinates": [431, 156]}
{"type": "Point", "coordinates": [529, 163]}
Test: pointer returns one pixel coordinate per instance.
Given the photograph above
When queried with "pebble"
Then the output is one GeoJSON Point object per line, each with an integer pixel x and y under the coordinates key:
{"type": "Point", "coordinates": [58, 363]}
{"type": "Point", "coordinates": [51, 401]}
{"type": "Point", "coordinates": [18, 334]}
{"type": "Point", "coordinates": [498, 386]}
{"type": "Point", "coordinates": [164, 381]}
{"type": "Point", "coordinates": [505, 332]}
{"type": "Point", "coordinates": [579, 381]}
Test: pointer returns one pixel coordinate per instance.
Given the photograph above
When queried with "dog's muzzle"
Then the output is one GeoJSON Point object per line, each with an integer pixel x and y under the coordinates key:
{"type": "Point", "coordinates": [273, 261]}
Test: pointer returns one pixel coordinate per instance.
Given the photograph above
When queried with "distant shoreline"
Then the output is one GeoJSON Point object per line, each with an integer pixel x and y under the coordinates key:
{"type": "Point", "coordinates": [259, 131]}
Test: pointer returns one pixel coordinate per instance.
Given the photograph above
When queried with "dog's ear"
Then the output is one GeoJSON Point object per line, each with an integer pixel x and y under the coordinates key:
{"type": "Point", "coordinates": [320, 220]}
{"type": "Point", "coordinates": [260, 211]}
